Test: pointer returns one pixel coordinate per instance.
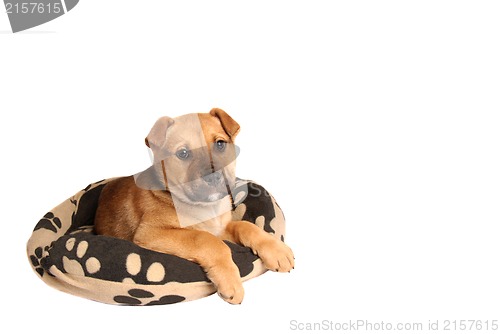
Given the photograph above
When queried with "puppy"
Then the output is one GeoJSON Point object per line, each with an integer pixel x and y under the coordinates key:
{"type": "Point", "coordinates": [182, 204]}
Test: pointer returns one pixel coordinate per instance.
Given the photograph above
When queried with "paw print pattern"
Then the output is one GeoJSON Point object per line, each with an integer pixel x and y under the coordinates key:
{"type": "Point", "coordinates": [36, 259]}
{"type": "Point", "coordinates": [49, 222]}
{"type": "Point", "coordinates": [144, 297]}
{"type": "Point", "coordinates": [111, 259]}
{"type": "Point", "coordinates": [155, 272]}
{"type": "Point", "coordinates": [81, 265]}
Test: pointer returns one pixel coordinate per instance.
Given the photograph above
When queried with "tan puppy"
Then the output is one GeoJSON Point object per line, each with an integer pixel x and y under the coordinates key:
{"type": "Point", "coordinates": [182, 205]}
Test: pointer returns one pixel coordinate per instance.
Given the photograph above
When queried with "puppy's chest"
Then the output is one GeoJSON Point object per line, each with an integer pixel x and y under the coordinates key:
{"type": "Point", "coordinates": [213, 219]}
{"type": "Point", "coordinates": [215, 226]}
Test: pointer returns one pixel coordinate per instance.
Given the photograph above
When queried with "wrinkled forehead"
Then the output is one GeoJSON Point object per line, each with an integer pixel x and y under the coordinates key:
{"type": "Point", "coordinates": [192, 130]}
{"type": "Point", "coordinates": [187, 129]}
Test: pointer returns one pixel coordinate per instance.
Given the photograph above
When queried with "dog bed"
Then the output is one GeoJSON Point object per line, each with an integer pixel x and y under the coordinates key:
{"type": "Point", "coordinates": [67, 255]}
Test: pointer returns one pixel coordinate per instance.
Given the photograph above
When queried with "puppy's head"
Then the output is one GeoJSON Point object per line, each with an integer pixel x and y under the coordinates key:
{"type": "Point", "coordinates": [195, 155]}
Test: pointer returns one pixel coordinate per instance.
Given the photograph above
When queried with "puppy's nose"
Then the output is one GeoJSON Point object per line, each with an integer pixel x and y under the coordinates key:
{"type": "Point", "coordinates": [213, 178]}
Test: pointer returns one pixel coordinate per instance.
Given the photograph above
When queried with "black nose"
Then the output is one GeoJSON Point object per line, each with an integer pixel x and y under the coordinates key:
{"type": "Point", "coordinates": [213, 178]}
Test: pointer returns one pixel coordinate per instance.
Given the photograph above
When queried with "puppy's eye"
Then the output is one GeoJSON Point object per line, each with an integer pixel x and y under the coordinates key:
{"type": "Point", "coordinates": [220, 145]}
{"type": "Point", "coordinates": [182, 154]}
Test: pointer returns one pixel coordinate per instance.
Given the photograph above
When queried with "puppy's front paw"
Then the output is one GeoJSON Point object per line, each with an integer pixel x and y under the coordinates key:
{"type": "Point", "coordinates": [276, 255]}
{"type": "Point", "coordinates": [226, 279]}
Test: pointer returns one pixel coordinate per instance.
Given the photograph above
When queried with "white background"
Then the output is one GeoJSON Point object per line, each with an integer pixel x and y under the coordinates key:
{"type": "Point", "coordinates": [374, 123]}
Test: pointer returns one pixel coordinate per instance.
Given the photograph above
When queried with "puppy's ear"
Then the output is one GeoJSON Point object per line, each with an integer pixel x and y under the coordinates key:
{"type": "Point", "coordinates": [157, 135]}
{"type": "Point", "coordinates": [230, 125]}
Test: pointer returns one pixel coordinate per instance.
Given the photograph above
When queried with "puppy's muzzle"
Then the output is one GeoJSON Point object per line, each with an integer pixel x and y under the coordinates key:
{"type": "Point", "coordinates": [213, 179]}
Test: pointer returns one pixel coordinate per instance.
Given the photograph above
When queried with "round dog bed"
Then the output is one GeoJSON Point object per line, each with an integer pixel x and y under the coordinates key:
{"type": "Point", "coordinates": [67, 255]}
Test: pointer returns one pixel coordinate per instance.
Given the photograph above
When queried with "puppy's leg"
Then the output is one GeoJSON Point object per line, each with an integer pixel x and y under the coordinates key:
{"type": "Point", "coordinates": [210, 252]}
{"type": "Point", "coordinates": [274, 253]}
